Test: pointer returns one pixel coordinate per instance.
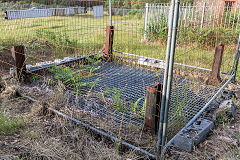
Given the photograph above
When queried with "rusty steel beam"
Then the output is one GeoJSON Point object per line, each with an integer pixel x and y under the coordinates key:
{"type": "Point", "coordinates": [150, 111]}
{"type": "Point", "coordinates": [153, 104]}
{"type": "Point", "coordinates": [215, 78]}
{"type": "Point", "coordinates": [19, 57]}
{"type": "Point", "coordinates": [159, 87]}
{"type": "Point", "coordinates": [108, 43]}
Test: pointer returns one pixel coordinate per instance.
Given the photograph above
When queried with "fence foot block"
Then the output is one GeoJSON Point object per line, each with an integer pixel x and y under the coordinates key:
{"type": "Point", "coordinates": [193, 135]}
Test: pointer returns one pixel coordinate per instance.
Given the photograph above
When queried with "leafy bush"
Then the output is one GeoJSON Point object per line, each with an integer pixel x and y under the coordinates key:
{"type": "Point", "coordinates": [132, 13]}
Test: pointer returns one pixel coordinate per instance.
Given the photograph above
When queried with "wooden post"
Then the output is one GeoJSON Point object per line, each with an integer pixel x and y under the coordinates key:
{"type": "Point", "coordinates": [19, 57]}
{"type": "Point", "coordinates": [153, 104]}
{"type": "Point", "coordinates": [109, 43]}
{"type": "Point", "coordinates": [214, 78]}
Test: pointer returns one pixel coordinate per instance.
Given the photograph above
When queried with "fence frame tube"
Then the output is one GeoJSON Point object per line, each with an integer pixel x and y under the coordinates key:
{"type": "Point", "coordinates": [236, 59]}
{"type": "Point", "coordinates": [145, 22]}
{"type": "Point", "coordinates": [201, 111]}
{"type": "Point", "coordinates": [170, 71]}
{"type": "Point", "coordinates": [169, 41]}
{"type": "Point", "coordinates": [203, 14]}
{"type": "Point", "coordinates": [102, 132]}
{"type": "Point", "coordinates": [110, 12]}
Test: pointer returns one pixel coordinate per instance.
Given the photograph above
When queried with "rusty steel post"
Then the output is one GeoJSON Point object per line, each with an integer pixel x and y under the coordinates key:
{"type": "Point", "coordinates": [109, 43]}
{"type": "Point", "coordinates": [150, 113]}
{"type": "Point", "coordinates": [159, 87]}
{"type": "Point", "coordinates": [214, 78]}
{"type": "Point", "coordinates": [153, 103]}
{"type": "Point", "coordinates": [19, 57]}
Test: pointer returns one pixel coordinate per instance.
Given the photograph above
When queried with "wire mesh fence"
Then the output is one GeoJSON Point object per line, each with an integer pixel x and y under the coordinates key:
{"type": "Point", "coordinates": [110, 73]}
{"type": "Point", "coordinates": [194, 15]}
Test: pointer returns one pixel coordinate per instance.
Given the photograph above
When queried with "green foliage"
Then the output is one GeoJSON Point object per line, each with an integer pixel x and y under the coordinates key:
{"type": "Point", "coordinates": [117, 97]}
{"type": "Point", "coordinates": [135, 14]}
{"type": "Point", "coordinates": [143, 110]}
{"type": "Point", "coordinates": [119, 104]}
{"type": "Point", "coordinates": [135, 109]}
{"type": "Point", "coordinates": [224, 116]}
{"type": "Point", "coordinates": [207, 37]}
{"type": "Point", "coordinates": [9, 125]}
{"type": "Point", "coordinates": [231, 18]}
{"type": "Point", "coordinates": [158, 30]}
{"type": "Point", "coordinates": [60, 40]}
{"type": "Point", "coordinates": [178, 110]}
{"type": "Point", "coordinates": [181, 101]}
{"type": "Point", "coordinates": [77, 78]}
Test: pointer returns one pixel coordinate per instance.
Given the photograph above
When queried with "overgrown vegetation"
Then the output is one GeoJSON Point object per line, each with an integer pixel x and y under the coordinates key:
{"type": "Point", "coordinates": [158, 29]}
{"type": "Point", "coordinates": [60, 40]}
{"type": "Point", "coordinates": [135, 14]}
{"type": "Point", "coordinates": [122, 104]}
{"type": "Point", "coordinates": [206, 37]}
{"type": "Point", "coordinates": [77, 77]}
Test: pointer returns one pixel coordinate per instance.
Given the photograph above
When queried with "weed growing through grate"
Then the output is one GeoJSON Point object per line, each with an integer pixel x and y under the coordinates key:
{"type": "Point", "coordinates": [75, 78]}
{"type": "Point", "coordinates": [134, 107]}
{"type": "Point", "coordinates": [179, 110]}
{"type": "Point", "coordinates": [121, 104]}
{"type": "Point", "coordinates": [117, 97]}
{"type": "Point", "coordinates": [181, 102]}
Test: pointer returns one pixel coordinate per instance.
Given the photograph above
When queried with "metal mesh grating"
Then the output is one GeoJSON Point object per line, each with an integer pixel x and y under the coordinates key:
{"type": "Point", "coordinates": [187, 97]}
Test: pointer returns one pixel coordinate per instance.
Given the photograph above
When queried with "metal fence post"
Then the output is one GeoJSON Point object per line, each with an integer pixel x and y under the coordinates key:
{"type": "Point", "coordinates": [236, 60]}
{"type": "Point", "coordinates": [145, 22]}
{"type": "Point", "coordinates": [110, 13]}
{"type": "Point", "coordinates": [170, 70]}
{"type": "Point", "coordinates": [203, 14]}
{"type": "Point", "coordinates": [170, 25]}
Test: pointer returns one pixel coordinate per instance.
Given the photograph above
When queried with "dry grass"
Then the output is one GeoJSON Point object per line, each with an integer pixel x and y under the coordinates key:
{"type": "Point", "coordinates": [222, 144]}
{"type": "Point", "coordinates": [6, 61]}
{"type": "Point", "coordinates": [49, 136]}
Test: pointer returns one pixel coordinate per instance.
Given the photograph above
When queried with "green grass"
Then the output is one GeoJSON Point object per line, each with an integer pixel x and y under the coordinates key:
{"type": "Point", "coordinates": [83, 34]}
{"type": "Point", "coordinates": [9, 125]}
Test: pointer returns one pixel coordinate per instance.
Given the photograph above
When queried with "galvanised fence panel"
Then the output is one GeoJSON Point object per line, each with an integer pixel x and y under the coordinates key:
{"type": "Point", "coordinates": [109, 71]}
